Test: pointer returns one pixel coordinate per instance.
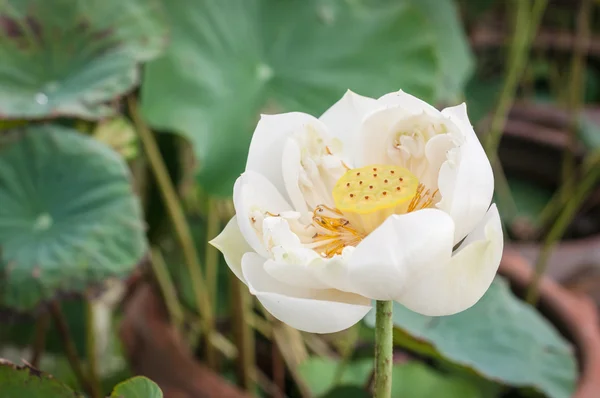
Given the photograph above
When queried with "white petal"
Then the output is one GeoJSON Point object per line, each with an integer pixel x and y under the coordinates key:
{"type": "Point", "coordinates": [407, 102]}
{"type": "Point", "coordinates": [300, 275]}
{"type": "Point", "coordinates": [268, 140]}
{"type": "Point", "coordinates": [387, 260]}
{"type": "Point", "coordinates": [375, 134]}
{"type": "Point", "coordinates": [435, 152]}
{"type": "Point", "coordinates": [466, 181]}
{"type": "Point", "coordinates": [253, 197]}
{"type": "Point", "coordinates": [232, 244]}
{"type": "Point", "coordinates": [314, 311]}
{"type": "Point", "coordinates": [291, 170]}
{"type": "Point", "coordinates": [345, 117]}
{"type": "Point", "coordinates": [453, 286]}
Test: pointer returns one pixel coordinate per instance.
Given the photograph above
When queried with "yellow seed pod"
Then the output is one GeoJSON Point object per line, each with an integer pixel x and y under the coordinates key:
{"type": "Point", "coordinates": [368, 195]}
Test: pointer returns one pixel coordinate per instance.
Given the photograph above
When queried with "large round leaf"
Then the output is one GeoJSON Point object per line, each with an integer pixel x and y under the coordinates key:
{"type": "Point", "coordinates": [137, 387]}
{"type": "Point", "coordinates": [231, 59]}
{"type": "Point", "coordinates": [68, 216]}
{"type": "Point", "coordinates": [65, 57]}
{"type": "Point", "coordinates": [456, 58]}
{"type": "Point", "coordinates": [27, 382]}
{"type": "Point", "coordinates": [500, 338]}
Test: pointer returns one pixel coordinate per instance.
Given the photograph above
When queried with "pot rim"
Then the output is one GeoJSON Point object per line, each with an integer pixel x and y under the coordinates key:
{"type": "Point", "coordinates": [576, 312]}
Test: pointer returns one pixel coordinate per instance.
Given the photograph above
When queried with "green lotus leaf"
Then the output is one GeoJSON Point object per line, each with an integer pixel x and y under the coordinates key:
{"type": "Point", "coordinates": [68, 216]}
{"type": "Point", "coordinates": [230, 60]}
{"type": "Point", "coordinates": [500, 338]}
{"type": "Point", "coordinates": [27, 382]}
{"type": "Point", "coordinates": [66, 57]}
{"type": "Point", "coordinates": [137, 387]}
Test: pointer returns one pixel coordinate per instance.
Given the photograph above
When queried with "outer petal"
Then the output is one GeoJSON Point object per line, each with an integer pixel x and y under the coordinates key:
{"type": "Point", "coordinates": [268, 140]}
{"type": "Point", "coordinates": [407, 102]}
{"type": "Point", "coordinates": [398, 251]}
{"type": "Point", "coordinates": [314, 311]}
{"type": "Point", "coordinates": [344, 118]}
{"type": "Point", "coordinates": [301, 275]}
{"type": "Point", "coordinates": [453, 286]}
{"type": "Point", "coordinates": [466, 181]}
{"type": "Point", "coordinates": [232, 244]}
{"type": "Point", "coordinates": [254, 195]}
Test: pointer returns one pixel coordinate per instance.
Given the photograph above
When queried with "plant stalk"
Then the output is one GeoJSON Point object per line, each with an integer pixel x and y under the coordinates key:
{"type": "Point", "coordinates": [383, 349]}
{"type": "Point", "coordinates": [92, 353]}
{"type": "Point", "coordinates": [178, 219]}
{"type": "Point", "coordinates": [526, 24]}
{"type": "Point", "coordinates": [211, 262]}
{"type": "Point", "coordinates": [69, 345]}
{"type": "Point", "coordinates": [560, 226]}
{"type": "Point", "coordinates": [39, 339]}
{"type": "Point", "coordinates": [167, 288]}
{"type": "Point", "coordinates": [242, 332]}
{"type": "Point", "coordinates": [575, 92]}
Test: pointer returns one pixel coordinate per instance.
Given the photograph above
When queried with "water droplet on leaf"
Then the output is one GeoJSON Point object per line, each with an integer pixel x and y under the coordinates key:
{"type": "Point", "coordinates": [41, 98]}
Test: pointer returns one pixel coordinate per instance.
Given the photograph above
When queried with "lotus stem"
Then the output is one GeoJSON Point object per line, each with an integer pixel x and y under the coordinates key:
{"type": "Point", "coordinates": [39, 340]}
{"type": "Point", "coordinates": [384, 345]}
{"type": "Point", "coordinates": [92, 353]}
{"type": "Point", "coordinates": [526, 24]}
{"type": "Point", "coordinates": [242, 332]}
{"type": "Point", "coordinates": [560, 226]}
{"type": "Point", "coordinates": [69, 345]}
{"type": "Point", "coordinates": [167, 287]}
{"type": "Point", "coordinates": [211, 262]}
{"type": "Point", "coordinates": [576, 91]}
{"type": "Point", "coordinates": [178, 219]}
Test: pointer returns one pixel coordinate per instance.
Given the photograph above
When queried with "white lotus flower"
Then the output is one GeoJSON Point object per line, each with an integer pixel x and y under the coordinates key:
{"type": "Point", "coordinates": [385, 199]}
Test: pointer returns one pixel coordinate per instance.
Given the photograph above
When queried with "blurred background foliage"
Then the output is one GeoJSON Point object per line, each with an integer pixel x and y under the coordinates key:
{"type": "Point", "coordinates": [124, 124]}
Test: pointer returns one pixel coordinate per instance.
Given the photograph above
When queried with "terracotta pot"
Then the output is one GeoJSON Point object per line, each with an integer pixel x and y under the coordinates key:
{"type": "Point", "coordinates": [532, 147]}
{"type": "Point", "coordinates": [155, 350]}
{"type": "Point", "coordinates": [573, 314]}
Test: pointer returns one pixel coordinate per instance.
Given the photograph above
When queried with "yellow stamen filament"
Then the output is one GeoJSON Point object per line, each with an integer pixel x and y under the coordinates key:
{"type": "Point", "coordinates": [333, 231]}
{"type": "Point", "coordinates": [422, 200]}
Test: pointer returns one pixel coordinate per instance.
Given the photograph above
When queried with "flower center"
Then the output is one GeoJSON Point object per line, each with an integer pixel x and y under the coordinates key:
{"type": "Point", "coordinates": [368, 195]}
{"type": "Point", "coordinates": [364, 198]}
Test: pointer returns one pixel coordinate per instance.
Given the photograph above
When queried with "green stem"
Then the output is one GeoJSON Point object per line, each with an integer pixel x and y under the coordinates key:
{"type": "Point", "coordinates": [178, 219]}
{"type": "Point", "coordinates": [90, 335]}
{"type": "Point", "coordinates": [576, 90]}
{"type": "Point", "coordinates": [526, 24]}
{"type": "Point", "coordinates": [211, 262]}
{"type": "Point", "coordinates": [242, 332]}
{"type": "Point", "coordinates": [383, 349]}
{"type": "Point", "coordinates": [69, 345]}
{"type": "Point", "coordinates": [559, 228]}
{"type": "Point", "coordinates": [39, 340]}
{"type": "Point", "coordinates": [212, 254]}
{"type": "Point", "coordinates": [167, 288]}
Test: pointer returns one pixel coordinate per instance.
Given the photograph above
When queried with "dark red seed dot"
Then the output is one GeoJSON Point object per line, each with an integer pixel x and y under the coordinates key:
{"type": "Point", "coordinates": [386, 181]}
{"type": "Point", "coordinates": [366, 198]}
{"type": "Point", "coordinates": [374, 175]}
{"type": "Point", "coordinates": [370, 186]}
{"type": "Point", "coordinates": [347, 184]}
{"type": "Point", "coordinates": [358, 173]}
{"type": "Point", "coordinates": [397, 188]}
{"type": "Point", "coordinates": [360, 183]}
{"type": "Point", "coordinates": [401, 179]}
{"type": "Point", "coordinates": [374, 168]}
{"type": "Point", "coordinates": [384, 193]}
{"type": "Point", "coordinates": [392, 171]}
{"type": "Point", "coordinates": [351, 195]}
